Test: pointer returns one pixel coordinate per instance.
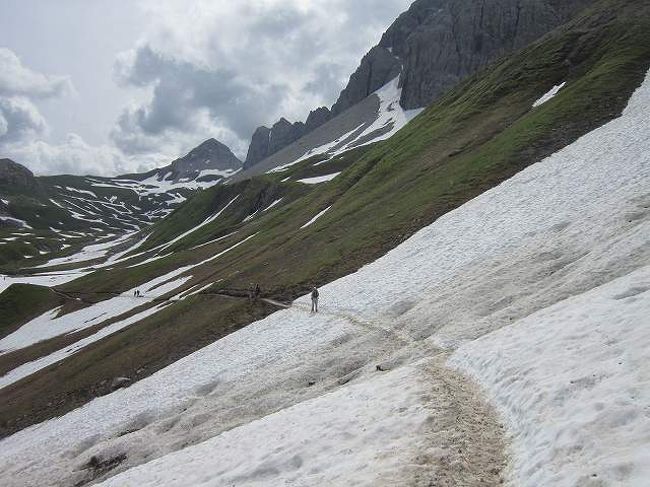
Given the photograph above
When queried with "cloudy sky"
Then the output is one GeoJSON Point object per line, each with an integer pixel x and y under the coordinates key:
{"type": "Point", "coordinates": [115, 86]}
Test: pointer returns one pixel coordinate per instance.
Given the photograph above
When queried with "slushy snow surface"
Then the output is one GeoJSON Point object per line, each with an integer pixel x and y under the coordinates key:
{"type": "Point", "coordinates": [538, 289]}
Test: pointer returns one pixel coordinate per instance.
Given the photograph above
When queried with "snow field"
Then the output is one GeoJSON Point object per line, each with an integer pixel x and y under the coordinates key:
{"type": "Point", "coordinates": [44, 279]}
{"type": "Point", "coordinates": [49, 324]}
{"type": "Point", "coordinates": [363, 434]}
{"type": "Point", "coordinates": [572, 383]}
{"type": "Point", "coordinates": [30, 367]}
{"type": "Point", "coordinates": [588, 202]}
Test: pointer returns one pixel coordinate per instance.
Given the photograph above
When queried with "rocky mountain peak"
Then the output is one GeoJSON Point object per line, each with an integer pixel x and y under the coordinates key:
{"type": "Point", "coordinates": [441, 42]}
{"type": "Point", "coordinates": [267, 141]}
{"type": "Point", "coordinates": [210, 154]}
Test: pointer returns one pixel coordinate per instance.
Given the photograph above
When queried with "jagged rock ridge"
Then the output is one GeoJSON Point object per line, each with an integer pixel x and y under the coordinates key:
{"type": "Point", "coordinates": [267, 141]}
{"type": "Point", "coordinates": [433, 45]}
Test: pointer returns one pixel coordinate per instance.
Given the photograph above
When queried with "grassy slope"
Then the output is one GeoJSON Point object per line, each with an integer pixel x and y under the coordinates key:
{"type": "Point", "coordinates": [22, 302]}
{"type": "Point", "coordinates": [478, 135]}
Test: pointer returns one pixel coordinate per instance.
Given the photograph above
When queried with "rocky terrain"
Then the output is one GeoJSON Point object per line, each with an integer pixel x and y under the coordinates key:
{"type": "Point", "coordinates": [432, 46]}
{"type": "Point", "coordinates": [210, 161]}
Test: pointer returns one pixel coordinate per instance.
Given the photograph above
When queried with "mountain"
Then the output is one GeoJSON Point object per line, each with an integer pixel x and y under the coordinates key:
{"type": "Point", "coordinates": [437, 43]}
{"type": "Point", "coordinates": [267, 141]}
{"type": "Point", "coordinates": [211, 161]}
{"type": "Point", "coordinates": [431, 47]}
{"type": "Point", "coordinates": [47, 216]}
{"type": "Point", "coordinates": [483, 278]}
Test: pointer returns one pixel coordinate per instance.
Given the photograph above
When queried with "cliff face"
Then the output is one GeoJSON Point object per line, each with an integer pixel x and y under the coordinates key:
{"type": "Point", "coordinates": [267, 141]}
{"type": "Point", "coordinates": [440, 42]}
{"type": "Point", "coordinates": [432, 46]}
{"type": "Point", "coordinates": [377, 68]}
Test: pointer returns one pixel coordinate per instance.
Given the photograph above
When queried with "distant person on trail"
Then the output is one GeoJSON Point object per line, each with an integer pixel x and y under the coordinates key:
{"type": "Point", "coordinates": [314, 300]}
{"type": "Point", "coordinates": [251, 293]}
{"type": "Point", "coordinates": [258, 291]}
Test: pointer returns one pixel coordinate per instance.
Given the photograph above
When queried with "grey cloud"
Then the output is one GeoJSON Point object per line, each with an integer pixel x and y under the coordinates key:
{"type": "Point", "coordinates": [282, 59]}
{"type": "Point", "coordinates": [19, 119]}
{"type": "Point", "coordinates": [180, 89]}
{"type": "Point", "coordinates": [326, 80]}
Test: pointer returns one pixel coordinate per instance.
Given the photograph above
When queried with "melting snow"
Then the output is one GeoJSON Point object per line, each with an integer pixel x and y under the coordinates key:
{"type": "Point", "coordinates": [315, 218]}
{"type": "Point", "coordinates": [551, 94]}
{"type": "Point", "coordinates": [319, 179]}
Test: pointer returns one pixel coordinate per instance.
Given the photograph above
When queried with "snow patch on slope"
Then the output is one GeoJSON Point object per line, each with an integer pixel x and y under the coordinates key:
{"type": "Point", "coordinates": [548, 96]}
{"type": "Point", "coordinates": [571, 381]}
{"type": "Point", "coordinates": [319, 179]}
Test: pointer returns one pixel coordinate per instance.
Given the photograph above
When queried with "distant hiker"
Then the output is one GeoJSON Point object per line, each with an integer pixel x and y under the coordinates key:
{"type": "Point", "coordinates": [251, 293]}
{"type": "Point", "coordinates": [135, 293]}
{"type": "Point", "coordinates": [314, 300]}
{"type": "Point", "coordinates": [258, 291]}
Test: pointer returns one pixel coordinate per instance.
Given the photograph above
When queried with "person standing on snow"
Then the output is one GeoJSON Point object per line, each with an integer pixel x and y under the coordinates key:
{"type": "Point", "coordinates": [314, 300]}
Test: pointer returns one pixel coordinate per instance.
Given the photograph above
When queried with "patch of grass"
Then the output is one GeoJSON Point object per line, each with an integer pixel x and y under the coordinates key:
{"type": "Point", "coordinates": [20, 303]}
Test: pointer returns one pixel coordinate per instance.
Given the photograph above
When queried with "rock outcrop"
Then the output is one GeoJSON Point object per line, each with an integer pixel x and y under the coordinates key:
{"type": "Point", "coordinates": [440, 42]}
{"type": "Point", "coordinates": [377, 68]}
{"type": "Point", "coordinates": [14, 174]}
{"type": "Point", "coordinates": [317, 118]}
{"type": "Point", "coordinates": [267, 141]}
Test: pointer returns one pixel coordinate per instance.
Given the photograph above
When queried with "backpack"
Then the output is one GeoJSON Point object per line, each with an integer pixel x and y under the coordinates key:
{"type": "Point", "coordinates": [314, 293]}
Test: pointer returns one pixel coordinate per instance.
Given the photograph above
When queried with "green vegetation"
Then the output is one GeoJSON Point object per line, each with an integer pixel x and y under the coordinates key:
{"type": "Point", "coordinates": [21, 302]}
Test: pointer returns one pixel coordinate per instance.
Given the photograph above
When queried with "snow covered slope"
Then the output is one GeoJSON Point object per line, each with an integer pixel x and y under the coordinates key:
{"type": "Point", "coordinates": [53, 216]}
{"type": "Point", "coordinates": [538, 289]}
{"type": "Point", "coordinates": [376, 118]}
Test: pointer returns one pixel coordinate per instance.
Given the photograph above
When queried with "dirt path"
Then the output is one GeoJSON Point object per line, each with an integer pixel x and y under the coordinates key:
{"type": "Point", "coordinates": [466, 443]}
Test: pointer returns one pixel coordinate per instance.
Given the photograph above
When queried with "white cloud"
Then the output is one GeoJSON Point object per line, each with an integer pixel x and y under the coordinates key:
{"type": "Point", "coordinates": [20, 119]}
{"type": "Point", "coordinates": [18, 80]}
{"type": "Point", "coordinates": [242, 64]}
{"type": "Point", "coordinates": [76, 156]}
{"type": "Point", "coordinates": [206, 68]}
{"type": "Point", "coordinates": [23, 129]}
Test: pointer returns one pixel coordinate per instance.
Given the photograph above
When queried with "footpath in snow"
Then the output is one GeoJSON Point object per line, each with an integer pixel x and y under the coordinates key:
{"type": "Point", "coordinates": [539, 290]}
